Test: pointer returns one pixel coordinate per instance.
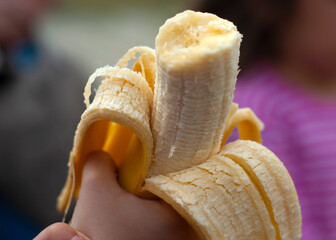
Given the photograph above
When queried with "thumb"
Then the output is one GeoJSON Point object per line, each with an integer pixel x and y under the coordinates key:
{"type": "Point", "coordinates": [98, 191]}
{"type": "Point", "coordinates": [60, 231]}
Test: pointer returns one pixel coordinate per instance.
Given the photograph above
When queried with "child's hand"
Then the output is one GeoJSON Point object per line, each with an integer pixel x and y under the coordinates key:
{"type": "Point", "coordinates": [105, 211]}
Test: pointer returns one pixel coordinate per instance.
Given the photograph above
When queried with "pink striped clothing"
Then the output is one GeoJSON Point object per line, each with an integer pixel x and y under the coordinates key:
{"type": "Point", "coordinates": [301, 130]}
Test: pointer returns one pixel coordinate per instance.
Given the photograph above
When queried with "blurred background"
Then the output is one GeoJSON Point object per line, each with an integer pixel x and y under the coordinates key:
{"type": "Point", "coordinates": [96, 33]}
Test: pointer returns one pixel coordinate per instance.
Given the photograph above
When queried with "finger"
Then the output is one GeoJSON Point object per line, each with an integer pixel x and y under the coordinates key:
{"type": "Point", "coordinates": [99, 166]}
{"type": "Point", "coordinates": [60, 231]}
{"type": "Point", "coordinates": [98, 191]}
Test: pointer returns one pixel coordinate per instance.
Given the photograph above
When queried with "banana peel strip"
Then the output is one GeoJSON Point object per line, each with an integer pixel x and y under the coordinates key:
{"type": "Point", "coordinates": [142, 50]}
{"type": "Point", "coordinates": [274, 183]}
{"type": "Point", "coordinates": [116, 72]}
{"type": "Point", "coordinates": [248, 124]}
{"type": "Point", "coordinates": [101, 113]}
{"type": "Point", "coordinates": [145, 64]}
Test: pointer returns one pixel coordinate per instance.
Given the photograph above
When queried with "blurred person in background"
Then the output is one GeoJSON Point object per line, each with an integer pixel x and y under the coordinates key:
{"type": "Point", "coordinates": [288, 62]}
{"type": "Point", "coordinates": [40, 105]}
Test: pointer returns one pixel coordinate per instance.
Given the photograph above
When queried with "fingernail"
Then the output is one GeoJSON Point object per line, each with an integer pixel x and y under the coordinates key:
{"type": "Point", "coordinates": [78, 238]}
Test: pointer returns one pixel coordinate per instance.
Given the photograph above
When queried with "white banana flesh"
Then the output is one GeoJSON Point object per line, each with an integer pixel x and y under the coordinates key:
{"type": "Point", "coordinates": [197, 66]}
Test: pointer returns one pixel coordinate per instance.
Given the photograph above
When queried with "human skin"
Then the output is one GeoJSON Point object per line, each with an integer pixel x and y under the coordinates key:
{"type": "Point", "coordinates": [105, 211]}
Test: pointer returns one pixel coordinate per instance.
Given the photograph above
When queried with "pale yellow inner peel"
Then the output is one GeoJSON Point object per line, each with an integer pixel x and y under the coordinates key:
{"type": "Point", "coordinates": [123, 146]}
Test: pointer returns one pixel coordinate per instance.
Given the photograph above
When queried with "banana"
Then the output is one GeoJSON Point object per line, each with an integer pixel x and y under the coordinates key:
{"type": "Point", "coordinates": [197, 66]}
{"type": "Point", "coordinates": [166, 122]}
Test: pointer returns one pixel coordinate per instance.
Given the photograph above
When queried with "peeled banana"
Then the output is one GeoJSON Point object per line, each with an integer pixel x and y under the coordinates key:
{"type": "Point", "coordinates": [165, 123]}
{"type": "Point", "coordinates": [197, 63]}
